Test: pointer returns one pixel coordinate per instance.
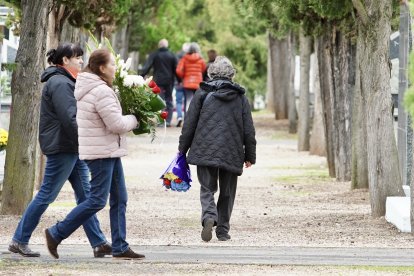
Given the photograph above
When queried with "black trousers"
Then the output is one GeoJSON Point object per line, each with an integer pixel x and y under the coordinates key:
{"type": "Point", "coordinates": [166, 95]}
{"type": "Point", "coordinates": [221, 213]}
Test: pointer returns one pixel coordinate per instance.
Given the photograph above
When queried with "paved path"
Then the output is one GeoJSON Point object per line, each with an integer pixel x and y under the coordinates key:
{"type": "Point", "coordinates": [235, 255]}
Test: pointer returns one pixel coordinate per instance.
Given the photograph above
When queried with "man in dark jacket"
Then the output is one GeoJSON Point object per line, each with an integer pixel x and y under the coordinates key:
{"type": "Point", "coordinates": [164, 64]}
{"type": "Point", "coordinates": [219, 135]}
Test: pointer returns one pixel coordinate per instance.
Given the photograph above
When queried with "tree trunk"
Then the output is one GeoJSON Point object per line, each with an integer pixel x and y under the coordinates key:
{"type": "Point", "coordinates": [317, 138]}
{"type": "Point", "coordinates": [57, 18]}
{"type": "Point", "coordinates": [344, 81]}
{"type": "Point", "coordinates": [70, 34]}
{"type": "Point", "coordinates": [293, 114]}
{"type": "Point", "coordinates": [325, 61]}
{"type": "Point", "coordinates": [359, 162]}
{"type": "Point", "coordinates": [373, 43]}
{"type": "Point", "coordinates": [280, 69]}
{"type": "Point", "coordinates": [270, 102]}
{"type": "Point", "coordinates": [304, 120]}
{"type": "Point", "coordinates": [19, 177]}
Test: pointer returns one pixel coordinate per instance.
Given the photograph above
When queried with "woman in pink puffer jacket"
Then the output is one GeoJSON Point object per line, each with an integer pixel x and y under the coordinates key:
{"type": "Point", "coordinates": [101, 144]}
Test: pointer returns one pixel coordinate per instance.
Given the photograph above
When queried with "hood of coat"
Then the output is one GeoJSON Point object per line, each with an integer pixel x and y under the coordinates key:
{"type": "Point", "coordinates": [53, 71]}
{"type": "Point", "coordinates": [192, 58]}
{"type": "Point", "coordinates": [226, 90]}
{"type": "Point", "coordinates": [85, 83]}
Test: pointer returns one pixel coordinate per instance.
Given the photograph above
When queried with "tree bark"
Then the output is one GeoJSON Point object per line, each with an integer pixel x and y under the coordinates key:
{"type": "Point", "coordinates": [57, 18]}
{"type": "Point", "coordinates": [325, 64]}
{"type": "Point", "coordinates": [304, 119]}
{"type": "Point", "coordinates": [270, 102]}
{"type": "Point", "coordinates": [344, 81]}
{"type": "Point", "coordinates": [292, 114]}
{"type": "Point", "coordinates": [19, 177]}
{"type": "Point", "coordinates": [317, 138]}
{"type": "Point", "coordinates": [373, 43]}
{"type": "Point", "coordinates": [359, 162]}
{"type": "Point", "coordinates": [280, 69]}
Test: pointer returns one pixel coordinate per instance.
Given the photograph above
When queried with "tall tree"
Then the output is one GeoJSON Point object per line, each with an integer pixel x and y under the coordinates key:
{"type": "Point", "coordinates": [374, 29]}
{"type": "Point", "coordinates": [19, 176]}
{"type": "Point", "coordinates": [317, 140]}
{"type": "Point", "coordinates": [280, 70]}
{"type": "Point", "coordinates": [304, 109]}
{"type": "Point", "coordinates": [344, 82]}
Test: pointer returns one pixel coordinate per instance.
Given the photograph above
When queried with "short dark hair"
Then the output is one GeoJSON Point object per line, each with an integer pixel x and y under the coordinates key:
{"type": "Point", "coordinates": [69, 50]}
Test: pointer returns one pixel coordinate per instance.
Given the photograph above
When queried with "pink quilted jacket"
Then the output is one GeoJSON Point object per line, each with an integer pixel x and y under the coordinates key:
{"type": "Point", "coordinates": [101, 125]}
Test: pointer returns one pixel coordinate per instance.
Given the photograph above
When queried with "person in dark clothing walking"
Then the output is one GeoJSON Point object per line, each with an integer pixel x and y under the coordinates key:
{"type": "Point", "coordinates": [212, 54]}
{"type": "Point", "coordinates": [58, 138]}
{"type": "Point", "coordinates": [164, 64]}
{"type": "Point", "coordinates": [219, 136]}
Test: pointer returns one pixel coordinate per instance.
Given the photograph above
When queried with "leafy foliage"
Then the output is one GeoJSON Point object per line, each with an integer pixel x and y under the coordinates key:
{"type": "Point", "coordinates": [91, 14]}
{"type": "Point", "coordinates": [229, 27]}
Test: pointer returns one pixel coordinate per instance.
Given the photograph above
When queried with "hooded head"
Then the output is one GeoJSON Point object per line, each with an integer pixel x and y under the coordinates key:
{"type": "Point", "coordinates": [221, 68]}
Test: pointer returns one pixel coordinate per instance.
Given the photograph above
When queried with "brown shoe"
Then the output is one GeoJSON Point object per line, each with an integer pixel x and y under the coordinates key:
{"type": "Point", "coordinates": [129, 255]}
{"type": "Point", "coordinates": [22, 249]}
{"type": "Point", "coordinates": [102, 250]}
{"type": "Point", "coordinates": [51, 244]}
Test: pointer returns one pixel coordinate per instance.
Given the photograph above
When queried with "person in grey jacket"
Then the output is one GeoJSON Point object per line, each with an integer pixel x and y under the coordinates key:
{"type": "Point", "coordinates": [219, 136]}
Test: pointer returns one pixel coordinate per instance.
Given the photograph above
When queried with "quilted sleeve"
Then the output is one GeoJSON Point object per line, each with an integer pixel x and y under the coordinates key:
{"type": "Point", "coordinates": [249, 133]}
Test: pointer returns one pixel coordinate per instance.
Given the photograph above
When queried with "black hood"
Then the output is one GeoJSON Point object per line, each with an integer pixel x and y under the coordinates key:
{"type": "Point", "coordinates": [226, 89]}
{"type": "Point", "coordinates": [52, 71]}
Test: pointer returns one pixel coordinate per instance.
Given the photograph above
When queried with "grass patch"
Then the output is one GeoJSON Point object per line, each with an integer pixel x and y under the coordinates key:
{"type": "Point", "coordinates": [295, 193]}
{"type": "Point", "coordinates": [188, 222]}
{"type": "Point", "coordinates": [259, 112]}
{"type": "Point", "coordinates": [314, 167]}
{"type": "Point", "coordinates": [305, 177]}
{"type": "Point", "coordinates": [381, 268]}
{"type": "Point", "coordinates": [283, 135]}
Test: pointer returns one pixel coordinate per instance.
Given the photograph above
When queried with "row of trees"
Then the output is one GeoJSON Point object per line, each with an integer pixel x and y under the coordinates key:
{"type": "Point", "coordinates": [353, 95]}
{"type": "Point", "coordinates": [350, 39]}
{"type": "Point", "coordinates": [135, 26]}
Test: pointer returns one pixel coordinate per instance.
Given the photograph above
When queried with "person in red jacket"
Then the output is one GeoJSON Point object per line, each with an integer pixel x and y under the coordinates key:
{"type": "Point", "coordinates": [191, 69]}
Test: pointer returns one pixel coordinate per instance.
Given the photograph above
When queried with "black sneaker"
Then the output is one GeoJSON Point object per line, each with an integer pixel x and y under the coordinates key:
{"type": "Point", "coordinates": [179, 122]}
{"type": "Point", "coordinates": [102, 250]}
{"type": "Point", "coordinates": [206, 234]}
{"type": "Point", "coordinates": [22, 249]}
{"type": "Point", "coordinates": [129, 255]}
{"type": "Point", "coordinates": [223, 237]}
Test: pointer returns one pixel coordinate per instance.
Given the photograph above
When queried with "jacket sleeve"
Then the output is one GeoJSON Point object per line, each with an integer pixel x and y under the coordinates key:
{"type": "Point", "coordinates": [109, 109]}
{"type": "Point", "coordinates": [249, 133]}
{"type": "Point", "coordinates": [203, 66]}
{"type": "Point", "coordinates": [64, 103]}
{"type": "Point", "coordinates": [191, 121]}
{"type": "Point", "coordinates": [148, 65]}
{"type": "Point", "coordinates": [180, 69]}
{"type": "Point", "coordinates": [175, 63]}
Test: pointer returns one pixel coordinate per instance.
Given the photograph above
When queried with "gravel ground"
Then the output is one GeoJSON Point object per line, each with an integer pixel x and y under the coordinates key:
{"type": "Point", "coordinates": [286, 199]}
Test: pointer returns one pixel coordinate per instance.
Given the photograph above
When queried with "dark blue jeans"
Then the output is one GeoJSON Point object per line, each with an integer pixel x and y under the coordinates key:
{"type": "Point", "coordinates": [107, 179]}
{"type": "Point", "coordinates": [188, 96]}
{"type": "Point", "coordinates": [179, 98]}
{"type": "Point", "coordinates": [59, 168]}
